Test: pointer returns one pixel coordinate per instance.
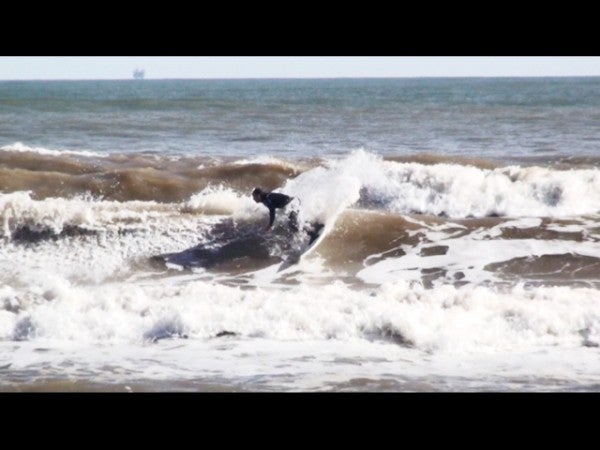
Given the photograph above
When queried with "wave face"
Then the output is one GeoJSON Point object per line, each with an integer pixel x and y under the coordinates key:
{"type": "Point", "coordinates": [362, 179]}
{"type": "Point", "coordinates": [62, 173]}
{"type": "Point", "coordinates": [381, 216]}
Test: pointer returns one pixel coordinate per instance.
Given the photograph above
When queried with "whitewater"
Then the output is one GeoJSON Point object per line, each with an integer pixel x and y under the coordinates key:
{"type": "Point", "coordinates": [440, 276]}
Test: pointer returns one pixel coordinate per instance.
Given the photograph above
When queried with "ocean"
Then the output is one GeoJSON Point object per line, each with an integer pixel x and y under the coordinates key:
{"type": "Point", "coordinates": [460, 248]}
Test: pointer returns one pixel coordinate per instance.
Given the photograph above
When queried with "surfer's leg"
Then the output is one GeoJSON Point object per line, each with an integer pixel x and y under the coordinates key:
{"type": "Point", "coordinates": [293, 221]}
{"type": "Point", "coordinates": [293, 208]}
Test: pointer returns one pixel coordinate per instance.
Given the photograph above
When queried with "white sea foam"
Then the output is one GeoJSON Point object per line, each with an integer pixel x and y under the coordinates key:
{"type": "Point", "coordinates": [121, 232]}
{"type": "Point", "coordinates": [445, 319]}
{"type": "Point", "coordinates": [462, 191]}
{"type": "Point", "coordinates": [469, 258]}
{"type": "Point", "coordinates": [448, 189]}
{"type": "Point", "coordinates": [19, 147]}
{"type": "Point", "coordinates": [18, 209]}
{"type": "Point", "coordinates": [263, 159]}
{"type": "Point", "coordinates": [468, 255]}
{"type": "Point", "coordinates": [220, 200]}
{"type": "Point", "coordinates": [264, 364]}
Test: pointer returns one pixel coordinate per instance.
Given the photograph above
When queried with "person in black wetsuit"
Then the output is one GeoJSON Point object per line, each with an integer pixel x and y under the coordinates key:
{"type": "Point", "coordinates": [273, 201]}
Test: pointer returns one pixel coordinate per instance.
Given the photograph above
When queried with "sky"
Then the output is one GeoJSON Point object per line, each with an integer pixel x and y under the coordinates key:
{"type": "Point", "coordinates": [85, 68]}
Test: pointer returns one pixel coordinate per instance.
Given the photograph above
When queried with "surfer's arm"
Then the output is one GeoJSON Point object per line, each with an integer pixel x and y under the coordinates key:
{"type": "Point", "coordinates": [271, 217]}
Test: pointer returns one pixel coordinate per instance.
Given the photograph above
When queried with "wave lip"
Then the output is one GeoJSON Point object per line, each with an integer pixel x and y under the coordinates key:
{"type": "Point", "coordinates": [18, 210]}
{"type": "Point", "coordinates": [457, 191]}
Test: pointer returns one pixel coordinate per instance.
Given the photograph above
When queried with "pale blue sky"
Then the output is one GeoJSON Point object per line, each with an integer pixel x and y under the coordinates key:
{"type": "Point", "coordinates": [27, 68]}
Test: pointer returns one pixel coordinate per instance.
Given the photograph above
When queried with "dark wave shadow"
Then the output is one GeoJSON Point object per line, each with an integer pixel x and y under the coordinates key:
{"type": "Point", "coordinates": [233, 247]}
{"type": "Point", "coordinates": [238, 247]}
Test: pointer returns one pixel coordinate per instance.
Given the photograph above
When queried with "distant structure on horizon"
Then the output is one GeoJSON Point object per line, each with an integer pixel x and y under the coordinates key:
{"type": "Point", "coordinates": [138, 74]}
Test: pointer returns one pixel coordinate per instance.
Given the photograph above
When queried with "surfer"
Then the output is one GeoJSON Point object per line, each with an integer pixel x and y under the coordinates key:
{"type": "Point", "coordinates": [273, 201]}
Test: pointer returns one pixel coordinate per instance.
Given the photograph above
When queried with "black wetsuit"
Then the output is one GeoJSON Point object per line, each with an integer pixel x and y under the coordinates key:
{"type": "Point", "coordinates": [274, 200]}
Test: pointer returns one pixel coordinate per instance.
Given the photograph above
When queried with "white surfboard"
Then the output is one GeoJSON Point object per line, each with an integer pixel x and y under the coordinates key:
{"type": "Point", "coordinates": [295, 257]}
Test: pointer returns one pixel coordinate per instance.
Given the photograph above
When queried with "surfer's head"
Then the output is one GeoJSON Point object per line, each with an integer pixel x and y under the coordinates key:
{"type": "Point", "coordinates": [257, 195]}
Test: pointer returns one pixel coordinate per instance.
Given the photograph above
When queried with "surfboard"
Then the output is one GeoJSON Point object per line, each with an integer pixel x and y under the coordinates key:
{"type": "Point", "coordinates": [316, 236]}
